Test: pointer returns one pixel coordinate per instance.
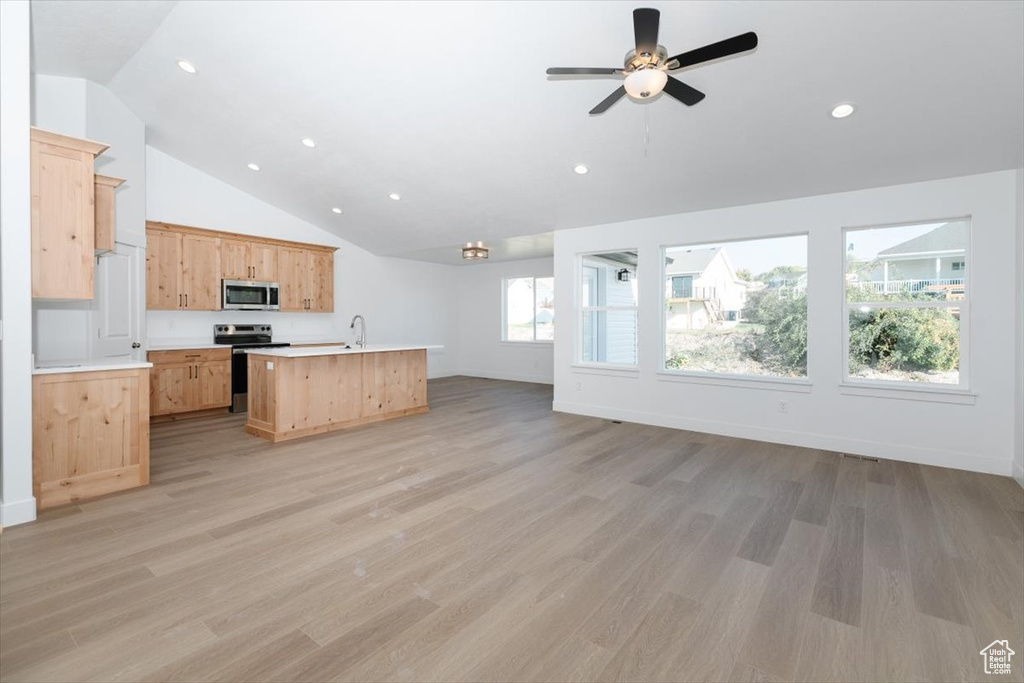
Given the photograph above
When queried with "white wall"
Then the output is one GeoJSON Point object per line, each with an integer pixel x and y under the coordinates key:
{"type": "Point", "coordinates": [17, 504]}
{"type": "Point", "coordinates": [482, 353]}
{"type": "Point", "coordinates": [976, 437]}
{"type": "Point", "coordinates": [1018, 451]}
{"type": "Point", "coordinates": [402, 301]}
{"type": "Point", "coordinates": [75, 106]}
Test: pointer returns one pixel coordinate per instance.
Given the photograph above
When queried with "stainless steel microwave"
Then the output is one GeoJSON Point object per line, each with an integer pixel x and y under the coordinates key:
{"type": "Point", "coordinates": [244, 295]}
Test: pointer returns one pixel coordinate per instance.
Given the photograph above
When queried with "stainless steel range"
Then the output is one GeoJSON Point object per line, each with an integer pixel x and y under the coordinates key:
{"type": "Point", "coordinates": [241, 337]}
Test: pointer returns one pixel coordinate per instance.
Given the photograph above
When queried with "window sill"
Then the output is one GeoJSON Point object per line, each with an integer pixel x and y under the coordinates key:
{"type": "Point", "coordinates": [539, 342]}
{"type": "Point", "coordinates": [608, 369]}
{"type": "Point", "coordinates": [932, 394]}
{"type": "Point", "coordinates": [800, 386]}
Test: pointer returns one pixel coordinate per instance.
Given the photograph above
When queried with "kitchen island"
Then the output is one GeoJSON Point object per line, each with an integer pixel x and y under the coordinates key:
{"type": "Point", "coordinates": [296, 392]}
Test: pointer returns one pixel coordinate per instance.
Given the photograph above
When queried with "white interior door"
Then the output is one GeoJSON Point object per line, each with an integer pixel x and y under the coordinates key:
{"type": "Point", "coordinates": [119, 314]}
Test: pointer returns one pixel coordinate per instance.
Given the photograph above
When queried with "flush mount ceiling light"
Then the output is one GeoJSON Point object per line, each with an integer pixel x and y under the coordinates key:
{"type": "Point", "coordinates": [336, 210]}
{"type": "Point", "coordinates": [474, 252]}
{"type": "Point", "coordinates": [253, 167]}
{"type": "Point", "coordinates": [841, 111]}
{"type": "Point", "coordinates": [580, 169]}
{"type": "Point", "coordinates": [308, 142]}
{"type": "Point", "coordinates": [395, 196]}
{"type": "Point", "coordinates": [187, 66]}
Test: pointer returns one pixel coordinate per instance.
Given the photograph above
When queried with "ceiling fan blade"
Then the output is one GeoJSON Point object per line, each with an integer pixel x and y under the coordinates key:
{"type": "Point", "coordinates": [607, 102]}
{"type": "Point", "coordinates": [645, 30]}
{"type": "Point", "coordinates": [574, 71]}
{"type": "Point", "coordinates": [682, 92]}
{"type": "Point", "coordinates": [723, 48]}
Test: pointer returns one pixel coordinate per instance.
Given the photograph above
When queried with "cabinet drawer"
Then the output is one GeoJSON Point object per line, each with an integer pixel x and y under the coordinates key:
{"type": "Point", "coordinates": [188, 356]}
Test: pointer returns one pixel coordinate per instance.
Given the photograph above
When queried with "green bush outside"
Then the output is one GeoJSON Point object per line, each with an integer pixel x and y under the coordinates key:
{"type": "Point", "coordinates": [782, 344]}
{"type": "Point", "coordinates": [905, 339]}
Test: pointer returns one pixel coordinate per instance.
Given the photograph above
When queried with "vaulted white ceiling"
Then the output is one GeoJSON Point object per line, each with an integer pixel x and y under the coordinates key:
{"type": "Point", "coordinates": [447, 103]}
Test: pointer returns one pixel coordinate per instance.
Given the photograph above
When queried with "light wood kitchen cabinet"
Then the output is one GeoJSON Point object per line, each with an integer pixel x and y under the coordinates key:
{"type": "Point", "coordinates": [185, 267]}
{"type": "Point", "coordinates": [106, 220]}
{"type": "Point", "coordinates": [63, 224]}
{"type": "Point", "coordinates": [200, 268]}
{"type": "Point", "coordinates": [307, 280]}
{"type": "Point", "coordinates": [90, 434]}
{"type": "Point", "coordinates": [189, 380]}
{"type": "Point", "coordinates": [244, 260]}
{"type": "Point", "coordinates": [182, 271]}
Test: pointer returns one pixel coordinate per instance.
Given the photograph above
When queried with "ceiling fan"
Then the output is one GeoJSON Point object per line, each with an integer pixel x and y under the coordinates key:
{"type": "Point", "coordinates": [645, 67]}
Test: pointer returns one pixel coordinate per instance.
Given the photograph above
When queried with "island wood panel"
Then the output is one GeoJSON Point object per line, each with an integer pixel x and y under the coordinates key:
{"type": "Point", "coordinates": [406, 381]}
{"type": "Point", "coordinates": [90, 434]}
{"type": "Point", "coordinates": [315, 394]}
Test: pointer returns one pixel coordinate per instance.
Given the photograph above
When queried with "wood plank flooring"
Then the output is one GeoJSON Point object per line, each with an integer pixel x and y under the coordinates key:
{"type": "Point", "coordinates": [494, 540]}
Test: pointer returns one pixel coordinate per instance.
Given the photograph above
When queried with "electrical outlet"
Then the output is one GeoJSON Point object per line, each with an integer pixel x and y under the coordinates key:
{"type": "Point", "coordinates": [783, 407]}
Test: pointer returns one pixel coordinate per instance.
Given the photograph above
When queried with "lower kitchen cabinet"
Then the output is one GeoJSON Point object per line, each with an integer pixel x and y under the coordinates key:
{"type": "Point", "coordinates": [189, 380]}
{"type": "Point", "coordinates": [90, 434]}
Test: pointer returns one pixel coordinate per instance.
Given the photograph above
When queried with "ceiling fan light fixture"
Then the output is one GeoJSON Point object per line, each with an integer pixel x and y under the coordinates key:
{"type": "Point", "coordinates": [645, 83]}
{"type": "Point", "coordinates": [475, 252]}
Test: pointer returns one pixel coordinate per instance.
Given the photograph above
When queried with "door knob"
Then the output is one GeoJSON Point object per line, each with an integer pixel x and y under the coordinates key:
{"type": "Point", "coordinates": [136, 345]}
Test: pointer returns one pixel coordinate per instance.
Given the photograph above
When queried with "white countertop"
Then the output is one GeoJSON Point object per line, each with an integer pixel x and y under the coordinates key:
{"type": "Point", "coordinates": [185, 344]}
{"type": "Point", "coordinates": [58, 367]}
{"type": "Point", "coordinates": [292, 352]}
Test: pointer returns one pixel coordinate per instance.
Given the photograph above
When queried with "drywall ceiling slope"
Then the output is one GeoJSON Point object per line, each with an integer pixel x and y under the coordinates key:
{"type": "Point", "coordinates": [448, 104]}
{"type": "Point", "coordinates": [91, 39]}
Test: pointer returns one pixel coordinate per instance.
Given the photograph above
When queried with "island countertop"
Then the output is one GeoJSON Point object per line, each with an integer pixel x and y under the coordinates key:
{"type": "Point", "coordinates": [293, 352]}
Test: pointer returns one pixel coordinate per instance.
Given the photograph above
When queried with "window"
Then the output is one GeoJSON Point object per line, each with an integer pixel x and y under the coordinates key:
{"type": "Point", "coordinates": [607, 296]}
{"type": "Point", "coordinates": [529, 309]}
{"type": "Point", "coordinates": [907, 302]}
{"type": "Point", "coordinates": [737, 308]}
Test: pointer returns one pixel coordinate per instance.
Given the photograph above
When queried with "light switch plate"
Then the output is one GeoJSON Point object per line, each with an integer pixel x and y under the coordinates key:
{"type": "Point", "coordinates": [270, 365]}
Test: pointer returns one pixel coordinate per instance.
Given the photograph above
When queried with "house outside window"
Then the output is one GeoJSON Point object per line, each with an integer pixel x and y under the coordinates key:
{"type": "Point", "coordinates": [737, 308]}
{"type": "Point", "coordinates": [529, 309]}
{"type": "Point", "coordinates": [607, 296]}
{"type": "Point", "coordinates": [907, 304]}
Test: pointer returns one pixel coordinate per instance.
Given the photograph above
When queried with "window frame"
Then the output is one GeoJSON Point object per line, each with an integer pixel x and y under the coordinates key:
{"type": "Point", "coordinates": [898, 388]}
{"type": "Point", "coordinates": [771, 382]}
{"type": "Point", "coordinates": [581, 309]}
{"type": "Point", "coordinates": [504, 310]}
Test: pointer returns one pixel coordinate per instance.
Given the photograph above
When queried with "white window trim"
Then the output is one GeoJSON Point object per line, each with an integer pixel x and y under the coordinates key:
{"type": "Point", "coordinates": [594, 367]}
{"type": "Point", "coordinates": [915, 391]}
{"type": "Point", "coordinates": [504, 312]}
{"type": "Point", "coordinates": [775, 382]}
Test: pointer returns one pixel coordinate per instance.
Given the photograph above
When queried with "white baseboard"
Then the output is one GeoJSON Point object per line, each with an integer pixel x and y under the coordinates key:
{"type": "Point", "coordinates": [1018, 473]}
{"type": "Point", "coordinates": [874, 449]}
{"type": "Point", "coordinates": [17, 512]}
{"type": "Point", "coordinates": [438, 374]}
{"type": "Point", "coordinates": [507, 376]}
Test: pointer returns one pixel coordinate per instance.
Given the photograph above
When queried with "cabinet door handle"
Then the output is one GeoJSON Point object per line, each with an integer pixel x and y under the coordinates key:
{"type": "Point", "coordinates": [190, 372]}
{"type": "Point", "coordinates": [180, 304]}
{"type": "Point", "coordinates": [186, 301]}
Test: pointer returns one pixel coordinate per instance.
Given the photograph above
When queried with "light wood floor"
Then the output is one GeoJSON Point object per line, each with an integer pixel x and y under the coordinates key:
{"type": "Point", "coordinates": [494, 540]}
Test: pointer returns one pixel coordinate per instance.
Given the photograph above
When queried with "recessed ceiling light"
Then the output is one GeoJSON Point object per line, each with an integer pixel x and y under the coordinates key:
{"type": "Point", "coordinates": [187, 66]}
{"type": "Point", "coordinates": [253, 167]}
{"type": "Point", "coordinates": [395, 196]}
{"type": "Point", "coordinates": [308, 142]}
{"type": "Point", "coordinates": [336, 210]}
{"type": "Point", "coordinates": [580, 169]}
{"type": "Point", "coordinates": [841, 111]}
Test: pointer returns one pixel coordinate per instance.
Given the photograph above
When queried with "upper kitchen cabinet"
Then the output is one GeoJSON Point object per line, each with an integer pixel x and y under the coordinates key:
{"type": "Point", "coordinates": [106, 220]}
{"type": "Point", "coordinates": [307, 280]}
{"type": "Point", "coordinates": [247, 260]}
{"type": "Point", "coordinates": [63, 215]}
{"type": "Point", "coordinates": [182, 271]}
{"type": "Point", "coordinates": [185, 268]}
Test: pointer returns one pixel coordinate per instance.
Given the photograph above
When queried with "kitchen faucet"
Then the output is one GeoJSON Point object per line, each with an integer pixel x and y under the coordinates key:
{"type": "Point", "coordinates": [361, 338]}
